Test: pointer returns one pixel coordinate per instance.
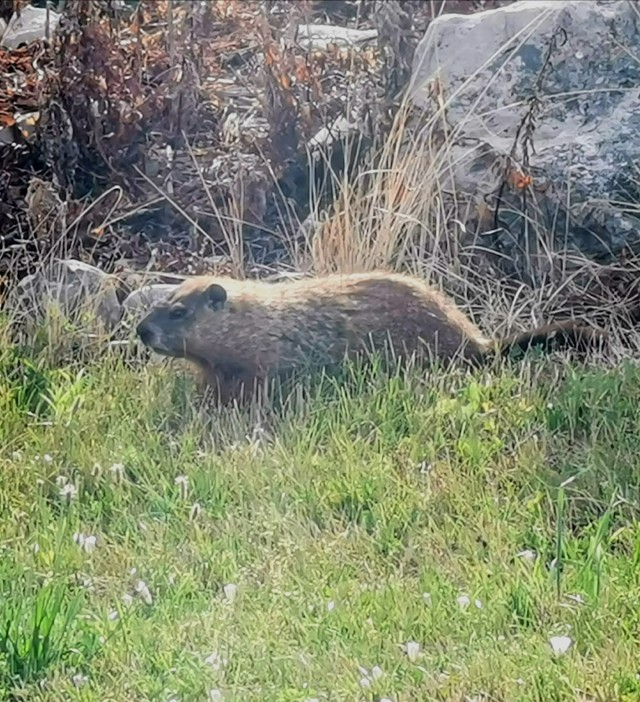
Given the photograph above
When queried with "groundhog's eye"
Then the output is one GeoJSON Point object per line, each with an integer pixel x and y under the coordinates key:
{"type": "Point", "coordinates": [178, 312]}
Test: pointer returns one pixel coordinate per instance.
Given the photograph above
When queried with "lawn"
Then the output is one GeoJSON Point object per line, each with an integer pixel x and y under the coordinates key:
{"type": "Point", "coordinates": [439, 536]}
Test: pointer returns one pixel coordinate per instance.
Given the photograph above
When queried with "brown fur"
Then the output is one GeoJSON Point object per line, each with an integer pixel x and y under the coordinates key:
{"type": "Point", "coordinates": [240, 333]}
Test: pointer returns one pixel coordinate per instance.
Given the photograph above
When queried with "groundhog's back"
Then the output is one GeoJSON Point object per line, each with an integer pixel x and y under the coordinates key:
{"type": "Point", "coordinates": [271, 327]}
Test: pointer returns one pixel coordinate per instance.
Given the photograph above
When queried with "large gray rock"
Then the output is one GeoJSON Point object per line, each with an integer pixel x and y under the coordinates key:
{"type": "Point", "coordinates": [80, 292]}
{"type": "Point", "coordinates": [138, 302]}
{"type": "Point", "coordinates": [32, 24]}
{"type": "Point", "coordinates": [586, 134]}
{"type": "Point", "coordinates": [322, 36]}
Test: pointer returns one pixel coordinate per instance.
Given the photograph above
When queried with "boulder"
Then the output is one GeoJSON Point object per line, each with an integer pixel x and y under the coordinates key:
{"type": "Point", "coordinates": [29, 25]}
{"type": "Point", "coordinates": [322, 36]}
{"type": "Point", "coordinates": [542, 104]}
{"type": "Point", "coordinates": [75, 288]}
{"type": "Point", "coordinates": [140, 301]}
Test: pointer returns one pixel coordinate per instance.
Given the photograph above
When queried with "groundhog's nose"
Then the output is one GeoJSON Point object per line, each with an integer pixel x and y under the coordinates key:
{"type": "Point", "coordinates": [144, 333]}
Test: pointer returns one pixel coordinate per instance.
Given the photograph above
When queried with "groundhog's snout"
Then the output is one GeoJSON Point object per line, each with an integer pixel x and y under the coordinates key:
{"type": "Point", "coordinates": [144, 332]}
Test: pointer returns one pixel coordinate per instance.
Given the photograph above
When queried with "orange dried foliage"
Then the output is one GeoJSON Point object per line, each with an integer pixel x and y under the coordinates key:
{"type": "Point", "coordinates": [519, 180]}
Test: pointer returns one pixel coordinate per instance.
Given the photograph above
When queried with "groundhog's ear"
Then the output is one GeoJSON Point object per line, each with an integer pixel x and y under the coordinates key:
{"type": "Point", "coordinates": [216, 296]}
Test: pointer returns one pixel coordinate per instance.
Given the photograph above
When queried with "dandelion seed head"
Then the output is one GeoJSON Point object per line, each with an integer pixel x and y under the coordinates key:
{"type": "Point", "coordinates": [578, 599]}
{"type": "Point", "coordinates": [182, 481]}
{"type": "Point", "coordinates": [117, 473]}
{"type": "Point", "coordinates": [527, 555]}
{"type": "Point", "coordinates": [68, 492]}
{"type": "Point", "coordinates": [79, 680]}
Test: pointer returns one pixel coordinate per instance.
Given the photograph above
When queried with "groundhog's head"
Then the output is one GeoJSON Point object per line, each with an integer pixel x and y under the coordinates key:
{"type": "Point", "coordinates": [170, 328]}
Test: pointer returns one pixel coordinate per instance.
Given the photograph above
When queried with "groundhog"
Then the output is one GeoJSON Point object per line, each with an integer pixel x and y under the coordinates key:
{"type": "Point", "coordinates": [240, 333]}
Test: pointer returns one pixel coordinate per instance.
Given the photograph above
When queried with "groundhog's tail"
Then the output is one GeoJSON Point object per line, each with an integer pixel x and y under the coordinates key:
{"type": "Point", "coordinates": [560, 335]}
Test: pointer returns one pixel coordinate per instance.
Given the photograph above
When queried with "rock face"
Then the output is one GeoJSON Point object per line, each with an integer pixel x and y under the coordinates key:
{"type": "Point", "coordinates": [543, 98]}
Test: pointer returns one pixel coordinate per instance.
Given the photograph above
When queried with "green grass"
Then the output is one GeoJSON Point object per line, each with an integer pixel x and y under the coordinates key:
{"type": "Point", "coordinates": [351, 522]}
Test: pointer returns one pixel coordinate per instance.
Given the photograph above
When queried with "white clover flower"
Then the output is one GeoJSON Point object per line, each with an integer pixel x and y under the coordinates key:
{"type": "Point", "coordinates": [87, 543]}
{"type": "Point", "coordinates": [412, 649]}
{"type": "Point", "coordinates": [230, 592]}
{"type": "Point", "coordinates": [216, 661]}
{"type": "Point", "coordinates": [215, 696]}
{"type": "Point", "coordinates": [463, 601]}
{"type": "Point", "coordinates": [560, 644]}
{"type": "Point", "coordinates": [143, 591]}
